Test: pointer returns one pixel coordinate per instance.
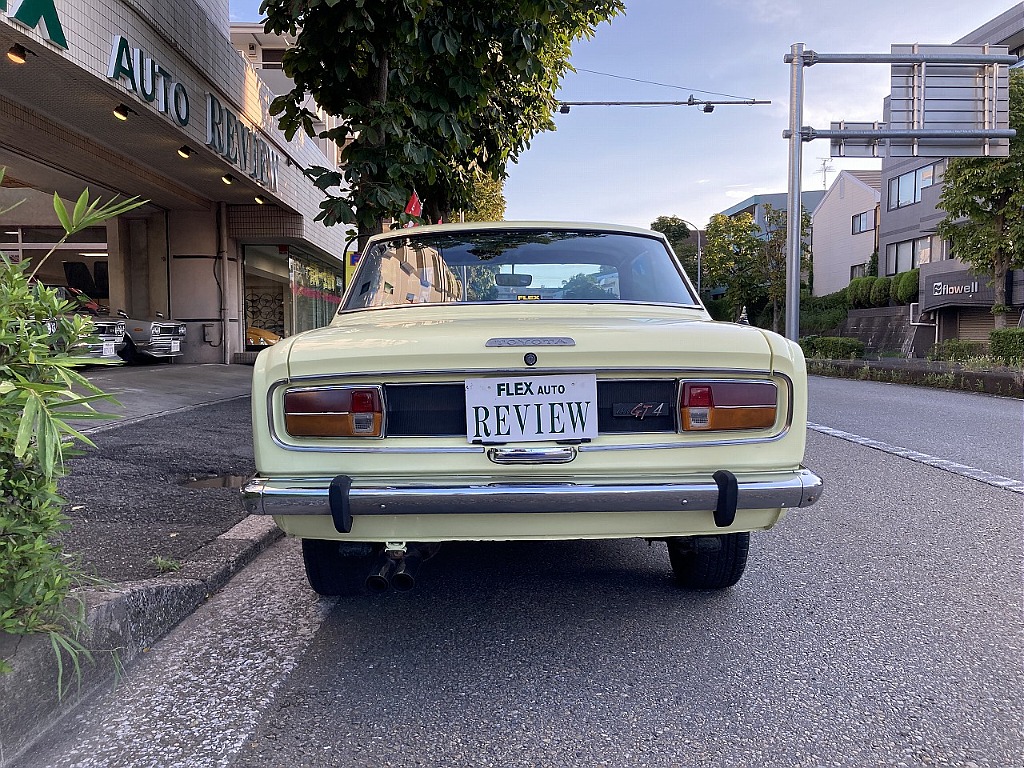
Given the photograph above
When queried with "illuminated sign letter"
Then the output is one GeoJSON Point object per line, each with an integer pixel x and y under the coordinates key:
{"type": "Point", "coordinates": [214, 124]}
{"type": "Point", "coordinates": [121, 62]}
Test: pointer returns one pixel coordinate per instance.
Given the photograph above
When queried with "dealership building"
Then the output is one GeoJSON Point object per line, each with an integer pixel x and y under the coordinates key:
{"type": "Point", "coordinates": [150, 99]}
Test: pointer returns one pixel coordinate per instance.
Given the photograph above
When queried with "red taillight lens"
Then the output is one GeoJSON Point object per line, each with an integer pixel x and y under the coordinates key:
{"type": "Point", "coordinates": [699, 396]}
{"type": "Point", "coordinates": [334, 412]}
{"type": "Point", "coordinates": [728, 405]}
{"type": "Point", "coordinates": [364, 401]}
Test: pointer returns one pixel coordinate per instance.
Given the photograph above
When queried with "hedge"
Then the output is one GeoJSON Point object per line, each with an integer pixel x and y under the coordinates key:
{"type": "Point", "coordinates": [907, 286]}
{"type": "Point", "coordinates": [1008, 345]}
{"type": "Point", "coordinates": [833, 347]}
{"type": "Point", "coordinates": [881, 291]}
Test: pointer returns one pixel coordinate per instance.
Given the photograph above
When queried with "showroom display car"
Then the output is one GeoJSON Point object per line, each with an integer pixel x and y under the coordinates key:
{"type": "Point", "coordinates": [151, 339]}
{"type": "Point", "coordinates": [108, 337]}
{"type": "Point", "coordinates": [525, 381]}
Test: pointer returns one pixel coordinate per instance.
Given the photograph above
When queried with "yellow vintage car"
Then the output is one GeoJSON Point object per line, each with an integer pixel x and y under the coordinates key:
{"type": "Point", "coordinates": [525, 381]}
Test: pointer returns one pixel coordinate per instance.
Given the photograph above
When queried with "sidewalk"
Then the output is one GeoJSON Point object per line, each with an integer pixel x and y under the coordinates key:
{"type": "Point", "coordinates": [159, 542]}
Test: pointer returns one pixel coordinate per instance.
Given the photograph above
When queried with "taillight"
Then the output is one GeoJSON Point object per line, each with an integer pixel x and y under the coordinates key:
{"type": "Point", "coordinates": [334, 412]}
{"type": "Point", "coordinates": [712, 405]}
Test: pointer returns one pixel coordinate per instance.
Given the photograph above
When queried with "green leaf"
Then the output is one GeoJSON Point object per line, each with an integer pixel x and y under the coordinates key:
{"type": "Point", "coordinates": [26, 427]}
{"type": "Point", "coordinates": [62, 213]}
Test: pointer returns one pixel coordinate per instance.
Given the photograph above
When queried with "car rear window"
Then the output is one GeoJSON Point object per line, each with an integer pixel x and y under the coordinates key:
{"type": "Point", "coordinates": [496, 266]}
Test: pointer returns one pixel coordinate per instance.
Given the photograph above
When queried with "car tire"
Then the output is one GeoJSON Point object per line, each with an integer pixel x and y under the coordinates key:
{"type": "Point", "coordinates": [709, 562]}
{"type": "Point", "coordinates": [334, 573]}
{"type": "Point", "coordinates": [129, 353]}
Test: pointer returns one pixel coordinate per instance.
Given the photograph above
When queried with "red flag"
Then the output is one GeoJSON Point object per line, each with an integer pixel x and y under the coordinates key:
{"type": "Point", "coordinates": [415, 206]}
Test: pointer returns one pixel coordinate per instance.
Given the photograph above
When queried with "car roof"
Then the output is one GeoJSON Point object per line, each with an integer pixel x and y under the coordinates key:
{"type": "Point", "coordinates": [470, 226]}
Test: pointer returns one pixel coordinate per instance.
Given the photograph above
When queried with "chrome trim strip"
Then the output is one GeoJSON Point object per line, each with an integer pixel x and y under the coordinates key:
{"type": "Point", "coordinates": [562, 454]}
{"type": "Point", "coordinates": [309, 496]}
{"type": "Point", "coordinates": [476, 449]}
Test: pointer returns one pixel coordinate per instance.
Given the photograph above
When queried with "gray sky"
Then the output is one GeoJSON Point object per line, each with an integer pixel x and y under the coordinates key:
{"type": "Point", "coordinates": [629, 165]}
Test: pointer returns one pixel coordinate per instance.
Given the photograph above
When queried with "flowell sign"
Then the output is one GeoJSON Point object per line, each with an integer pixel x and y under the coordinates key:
{"type": "Point", "coordinates": [956, 289]}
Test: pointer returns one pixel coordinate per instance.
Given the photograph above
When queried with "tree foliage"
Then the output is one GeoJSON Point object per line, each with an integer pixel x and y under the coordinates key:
{"type": "Point", "coordinates": [678, 234]}
{"type": "Point", "coordinates": [430, 95]}
{"type": "Point", "coordinates": [984, 197]}
{"type": "Point", "coordinates": [751, 264]}
{"type": "Point", "coordinates": [487, 200]}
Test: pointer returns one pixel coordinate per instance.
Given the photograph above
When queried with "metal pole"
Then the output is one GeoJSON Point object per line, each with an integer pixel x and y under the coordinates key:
{"type": "Point", "coordinates": [699, 266]}
{"type": "Point", "coordinates": [793, 210]}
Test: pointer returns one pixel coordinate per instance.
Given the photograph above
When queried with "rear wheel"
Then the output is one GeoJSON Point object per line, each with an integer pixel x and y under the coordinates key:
{"type": "Point", "coordinates": [337, 569]}
{"type": "Point", "coordinates": [709, 562]}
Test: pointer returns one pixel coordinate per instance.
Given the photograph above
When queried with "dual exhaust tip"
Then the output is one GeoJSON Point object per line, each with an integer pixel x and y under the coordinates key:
{"type": "Point", "coordinates": [393, 572]}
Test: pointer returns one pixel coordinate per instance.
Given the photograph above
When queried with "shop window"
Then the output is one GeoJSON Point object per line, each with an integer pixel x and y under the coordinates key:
{"type": "Point", "coordinates": [316, 293]}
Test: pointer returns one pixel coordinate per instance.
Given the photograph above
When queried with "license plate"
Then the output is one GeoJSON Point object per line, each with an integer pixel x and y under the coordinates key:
{"type": "Point", "coordinates": [175, 345]}
{"type": "Point", "coordinates": [531, 408]}
{"type": "Point", "coordinates": [108, 349]}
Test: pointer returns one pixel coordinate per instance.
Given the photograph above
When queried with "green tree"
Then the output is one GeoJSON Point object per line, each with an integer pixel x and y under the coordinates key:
{"type": "Point", "coordinates": [984, 200]}
{"type": "Point", "coordinates": [678, 234]}
{"type": "Point", "coordinates": [430, 95]}
{"type": "Point", "coordinates": [487, 201]}
{"type": "Point", "coordinates": [751, 264]}
{"type": "Point", "coordinates": [583, 286]}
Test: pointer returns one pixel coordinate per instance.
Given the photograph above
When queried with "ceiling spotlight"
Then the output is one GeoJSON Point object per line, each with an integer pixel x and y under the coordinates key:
{"type": "Point", "coordinates": [18, 53]}
{"type": "Point", "coordinates": [185, 151]}
{"type": "Point", "coordinates": [260, 199]}
{"type": "Point", "coordinates": [227, 178]}
{"type": "Point", "coordinates": [121, 112]}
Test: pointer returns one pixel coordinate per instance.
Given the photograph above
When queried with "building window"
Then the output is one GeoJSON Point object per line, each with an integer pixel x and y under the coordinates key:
{"type": "Point", "coordinates": [905, 189]}
{"type": "Point", "coordinates": [863, 222]}
{"type": "Point", "coordinates": [907, 255]}
{"type": "Point", "coordinates": [272, 58]}
{"type": "Point", "coordinates": [858, 270]}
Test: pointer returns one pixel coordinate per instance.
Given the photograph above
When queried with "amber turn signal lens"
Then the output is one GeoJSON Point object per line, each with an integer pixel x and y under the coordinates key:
{"type": "Point", "coordinates": [720, 405]}
{"type": "Point", "coordinates": [334, 412]}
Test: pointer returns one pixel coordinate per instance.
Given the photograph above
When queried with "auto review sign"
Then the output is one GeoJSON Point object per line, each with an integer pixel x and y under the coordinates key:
{"type": "Point", "coordinates": [226, 133]}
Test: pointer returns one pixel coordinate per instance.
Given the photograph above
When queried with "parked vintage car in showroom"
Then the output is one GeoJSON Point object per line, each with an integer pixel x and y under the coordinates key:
{"type": "Point", "coordinates": [525, 381]}
{"type": "Point", "coordinates": [108, 332]}
{"type": "Point", "coordinates": [151, 339]}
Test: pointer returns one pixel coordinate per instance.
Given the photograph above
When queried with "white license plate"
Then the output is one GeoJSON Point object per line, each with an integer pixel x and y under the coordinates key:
{"type": "Point", "coordinates": [175, 345]}
{"type": "Point", "coordinates": [108, 349]}
{"type": "Point", "coordinates": [531, 408]}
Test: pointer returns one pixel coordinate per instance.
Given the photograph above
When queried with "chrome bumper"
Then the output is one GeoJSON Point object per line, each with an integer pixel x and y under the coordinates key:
{"type": "Point", "coordinates": [310, 496]}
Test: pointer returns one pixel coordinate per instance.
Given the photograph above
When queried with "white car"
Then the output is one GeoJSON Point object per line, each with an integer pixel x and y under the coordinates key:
{"type": "Point", "coordinates": [525, 381]}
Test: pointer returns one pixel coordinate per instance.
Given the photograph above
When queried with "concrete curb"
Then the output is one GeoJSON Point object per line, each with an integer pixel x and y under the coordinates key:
{"type": "Point", "coordinates": [127, 618]}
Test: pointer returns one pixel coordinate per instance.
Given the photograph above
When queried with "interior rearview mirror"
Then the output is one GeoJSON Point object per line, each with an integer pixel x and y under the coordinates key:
{"type": "Point", "coordinates": [513, 280]}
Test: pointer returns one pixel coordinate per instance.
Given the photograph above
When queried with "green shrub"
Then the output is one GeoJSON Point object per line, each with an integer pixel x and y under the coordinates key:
{"type": "Point", "coordinates": [719, 309]}
{"type": "Point", "coordinates": [956, 350]}
{"type": "Point", "coordinates": [824, 314]}
{"type": "Point", "coordinates": [881, 291]}
{"type": "Point", "coordinates": [860, 295]}
{"type": "Point", "coordinates": [809, 344]}
{"type": "Point", "coordinates": [1007, 344]}
{"type": "Point", "coordinates": [37, 397]}
{"type": "Point", "coordinates": [838, 348]}
{"type": "Point", "coordinates": [906, 287]}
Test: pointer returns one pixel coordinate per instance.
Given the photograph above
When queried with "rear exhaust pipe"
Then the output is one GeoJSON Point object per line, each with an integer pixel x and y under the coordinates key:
{"type": "Point", "coordinates": [404, 577]}
{"type": "Point", "coordinates": [379, 579]}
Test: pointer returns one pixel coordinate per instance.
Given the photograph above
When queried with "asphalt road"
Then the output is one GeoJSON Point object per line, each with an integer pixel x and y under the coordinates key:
{"type": "Point", "coordinates": [882, 627]}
